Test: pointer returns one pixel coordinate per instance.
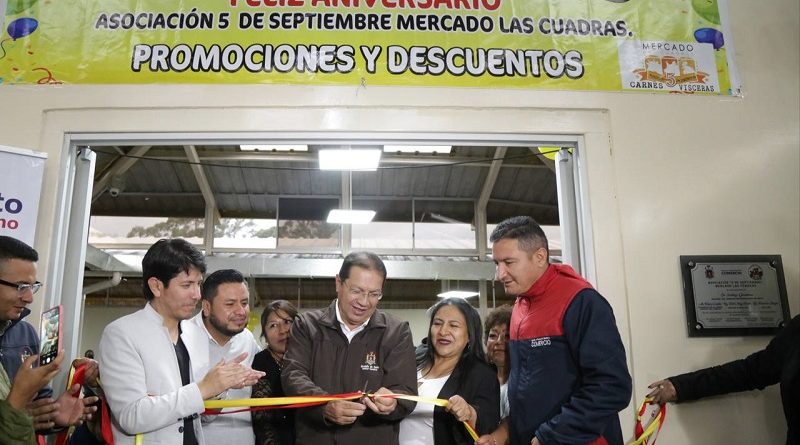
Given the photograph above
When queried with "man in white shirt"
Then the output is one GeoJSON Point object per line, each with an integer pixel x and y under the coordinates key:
{"type": "Point", "coordinates": [219, 333]}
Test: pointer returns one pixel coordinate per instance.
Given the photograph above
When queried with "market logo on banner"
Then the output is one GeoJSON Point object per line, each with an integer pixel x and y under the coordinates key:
{"type": "Point", "coordinates": [668, 66]}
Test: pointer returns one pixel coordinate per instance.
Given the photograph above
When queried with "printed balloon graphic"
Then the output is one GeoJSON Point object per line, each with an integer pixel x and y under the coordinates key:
{"type": "Point", "coordinates": [707, 9]}
{"type": "Point", "coordinates": [15, 7]}
{"type": "Point", "coordinates": [710, 35]}
{"type": "Point", "coordinates": [22, 27]}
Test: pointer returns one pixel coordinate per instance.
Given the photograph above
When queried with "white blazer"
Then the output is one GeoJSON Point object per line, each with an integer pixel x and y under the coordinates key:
{"type": "Point", "coordinates": [140, 376]}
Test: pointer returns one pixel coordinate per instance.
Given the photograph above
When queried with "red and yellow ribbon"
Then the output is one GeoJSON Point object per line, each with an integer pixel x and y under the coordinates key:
{"type": "Point", "coordinates": [643, 433]}
{"type": "Point", "coordinates": [438, 402]}
{"type": "Point", "coordinates": [214, 407]}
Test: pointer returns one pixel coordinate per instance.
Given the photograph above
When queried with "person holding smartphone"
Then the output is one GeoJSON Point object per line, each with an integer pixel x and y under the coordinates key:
{"type": "Point", "coordinates": [19, 340]}
{"type": "Point", "coordinates": [16, 427]}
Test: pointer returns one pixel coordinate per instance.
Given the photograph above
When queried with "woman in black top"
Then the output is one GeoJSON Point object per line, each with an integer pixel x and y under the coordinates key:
{"type": "Point", "coordinates": [454, 352]}
{"type": "Point", "coordinates": [273, 427]}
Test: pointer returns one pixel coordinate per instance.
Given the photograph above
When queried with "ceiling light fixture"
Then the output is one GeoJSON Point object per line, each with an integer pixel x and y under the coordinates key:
{"type": "Point", "coordinates": [458, 294]}
{"type": "Point", "coordinates": [343, 159]}
{"type": "Point", "coordinates": [274, 147]}
{"type": "Point", "coordinates": [417, 148]}
{"type": "Point", "coordinates": [342, 216]}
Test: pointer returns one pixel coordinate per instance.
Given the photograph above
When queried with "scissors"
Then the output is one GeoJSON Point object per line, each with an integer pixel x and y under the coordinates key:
{"type": "Point", "coordinates": [364, 392]}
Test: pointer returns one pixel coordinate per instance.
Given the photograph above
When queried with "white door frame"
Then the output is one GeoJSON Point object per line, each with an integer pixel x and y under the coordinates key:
{"type": "Point", "coordinates": [587, 130]}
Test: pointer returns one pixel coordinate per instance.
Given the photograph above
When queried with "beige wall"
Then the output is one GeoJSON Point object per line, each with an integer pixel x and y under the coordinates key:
{"type": "Point", "coordinates": [667, 175]}
{"type": "Point", "coordinates": [95, 320]}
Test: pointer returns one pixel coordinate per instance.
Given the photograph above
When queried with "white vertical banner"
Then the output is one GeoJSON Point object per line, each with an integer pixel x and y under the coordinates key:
{"type": "Point", "coordinates": [21, 174]}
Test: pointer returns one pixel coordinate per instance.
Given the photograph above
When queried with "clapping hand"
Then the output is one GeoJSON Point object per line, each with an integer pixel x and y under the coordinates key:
{"type": "Point", "coordinates": [225, 375]}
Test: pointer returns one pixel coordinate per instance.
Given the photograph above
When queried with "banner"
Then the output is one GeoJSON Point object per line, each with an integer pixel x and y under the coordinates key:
{"type": "Point", "coordinates": [20, 186]}
{"type": "Point", "coordinates": [676, 46]}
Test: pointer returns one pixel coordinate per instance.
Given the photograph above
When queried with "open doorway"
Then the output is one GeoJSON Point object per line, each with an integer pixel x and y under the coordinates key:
{"type": "Point", "coordinates": [263, 211]}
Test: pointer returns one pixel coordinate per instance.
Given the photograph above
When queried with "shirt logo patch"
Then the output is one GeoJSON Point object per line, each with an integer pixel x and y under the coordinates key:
{"type": "Point", "coordinates": [370, 362]}
{"type": "Point", "coordinates": [541, 341]}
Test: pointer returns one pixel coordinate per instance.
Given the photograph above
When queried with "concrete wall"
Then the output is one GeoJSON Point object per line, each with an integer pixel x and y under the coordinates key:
{"type": "Point", "coordinates": [667, 175]}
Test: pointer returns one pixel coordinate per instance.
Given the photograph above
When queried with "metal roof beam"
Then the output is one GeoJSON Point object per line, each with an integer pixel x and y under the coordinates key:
{"type": "Point", "coordinates": [549, 163]}
{"type": "Point", "coordinates": [97, 259]}
{"type": "Point", "coordinates": [480, 220]}
{"type": "Point", "coordinates": [525, 204]}
{"type": "Point", "coordinates": [483, 200]}
{"type": "Point", "coordinates": [225, 156]}
{"type": "Point", "coordinates": [119, 167]}
{"type": "Point", "coordinates": [212, 211]}
{"type": "Point", "coordinates": [491, 178]}
{"type": "Point", "coordinates": [200, 176]}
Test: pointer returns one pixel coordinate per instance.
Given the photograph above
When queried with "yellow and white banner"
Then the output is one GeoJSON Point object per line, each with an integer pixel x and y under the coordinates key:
{"type": "Point", "coordinates": [676, 46]}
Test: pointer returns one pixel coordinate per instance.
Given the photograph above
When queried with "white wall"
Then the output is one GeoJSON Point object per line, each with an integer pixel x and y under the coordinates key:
{"type": "Point", "coordinates": [95, 320]}
{"type": "Point", "coordinates": [667, 175]}
{"type": "Point", "coordinates": [417, 320]}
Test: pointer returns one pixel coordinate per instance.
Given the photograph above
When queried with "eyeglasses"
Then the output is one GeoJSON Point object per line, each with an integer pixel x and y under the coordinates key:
{"type": "Point", "coordinates": [358, 293]}
{"type": "Point", "coordinates": [21, 288]}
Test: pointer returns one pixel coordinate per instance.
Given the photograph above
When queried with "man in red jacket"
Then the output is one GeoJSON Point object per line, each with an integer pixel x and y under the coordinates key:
{"type": "Point", "coordinates": [569, 378]}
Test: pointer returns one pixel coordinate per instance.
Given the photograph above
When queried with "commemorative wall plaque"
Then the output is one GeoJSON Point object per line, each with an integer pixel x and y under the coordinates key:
{"type": "Point", "coordinates": [734, 295]}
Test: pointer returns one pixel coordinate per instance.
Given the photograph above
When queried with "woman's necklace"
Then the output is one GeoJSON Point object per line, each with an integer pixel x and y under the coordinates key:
{"type": "Point", "coordinates": [278, 359]}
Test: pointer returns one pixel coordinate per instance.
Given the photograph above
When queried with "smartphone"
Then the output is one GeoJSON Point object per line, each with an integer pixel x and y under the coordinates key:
{"type": "Point", "coordinates": [50, 335]}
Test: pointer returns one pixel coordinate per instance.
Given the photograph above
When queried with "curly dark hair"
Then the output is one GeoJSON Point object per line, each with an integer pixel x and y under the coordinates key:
{"type": "Point", "coordinates": [499, 315]}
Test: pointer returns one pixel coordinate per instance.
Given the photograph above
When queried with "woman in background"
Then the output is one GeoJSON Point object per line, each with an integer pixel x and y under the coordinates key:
{"type": "Point", "coordinates": [496, 336]}
{"type": "Point", "coordinates": [273, 427]}
{"type": "Point", "coordinates": [452, 366]}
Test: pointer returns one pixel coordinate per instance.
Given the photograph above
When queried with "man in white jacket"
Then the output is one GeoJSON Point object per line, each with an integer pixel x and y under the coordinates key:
{"type": "Point", "coordinates": [145, 368]}
{"type": "Point", "coordinates": [219, 333]}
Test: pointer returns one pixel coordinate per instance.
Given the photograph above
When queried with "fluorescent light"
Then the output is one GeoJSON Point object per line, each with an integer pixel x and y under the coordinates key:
{"type": "Point", "coordinates": [417, 148]}
{"type": "Point", "coordinates": [339, 216]}
{"type": "Point", "coordinates": [458, 294]}
{"type": "Point", "coordinates": [360, 159]}
{"type": "Point", "coordinates": [274, 147]}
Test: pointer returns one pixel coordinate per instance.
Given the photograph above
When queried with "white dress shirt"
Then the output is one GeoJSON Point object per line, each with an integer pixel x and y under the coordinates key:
{"type": "Point", "coordinates": [349, 333]}
{"type": "Point", "coordinates": [205, 352]}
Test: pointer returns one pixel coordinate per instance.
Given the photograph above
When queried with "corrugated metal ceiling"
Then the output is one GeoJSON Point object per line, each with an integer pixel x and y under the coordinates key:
{"type": "Point", "coordinates": [289, 185]}
{"type": "Point", "coordinates": [163, 184]}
